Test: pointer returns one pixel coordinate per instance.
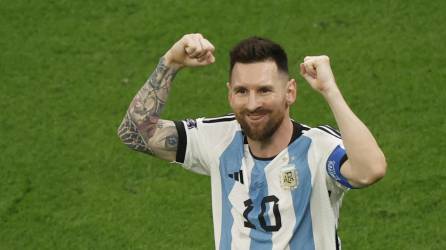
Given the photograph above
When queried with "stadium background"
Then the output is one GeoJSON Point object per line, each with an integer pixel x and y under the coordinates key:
{"type": "Point", "coordinates": [69, 69]}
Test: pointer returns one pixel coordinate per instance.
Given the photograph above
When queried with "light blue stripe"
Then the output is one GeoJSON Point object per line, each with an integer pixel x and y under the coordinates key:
{"type": "Point", "coordinates": [258, 189]}
{"type": "Point", "coordinates": [303, 231]}
{"type": "Point", "coordinates": [230, 162]}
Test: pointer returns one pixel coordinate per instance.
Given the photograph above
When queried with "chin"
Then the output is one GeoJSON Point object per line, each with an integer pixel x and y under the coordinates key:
{"type": "Point", "coordinates": [260, 132]}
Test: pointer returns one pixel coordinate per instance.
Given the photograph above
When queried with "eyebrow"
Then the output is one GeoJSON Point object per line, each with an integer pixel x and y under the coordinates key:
{"type": "Point", "coordinates": [261, 85]}
{"type": "Point", "coordinates": [237, 88]}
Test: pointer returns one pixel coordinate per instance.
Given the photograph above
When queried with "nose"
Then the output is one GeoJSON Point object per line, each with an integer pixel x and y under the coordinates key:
{"type": "Point", "coordinates": [254, 102]}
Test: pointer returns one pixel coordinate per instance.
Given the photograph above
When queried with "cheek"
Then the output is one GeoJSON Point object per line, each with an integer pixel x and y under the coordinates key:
{"type": "Point", "coordinates": [279, 104]}
{"type": "Point", "coordinates": [235, 103]}
{"type": "Point", "coordinates": [276, 100]}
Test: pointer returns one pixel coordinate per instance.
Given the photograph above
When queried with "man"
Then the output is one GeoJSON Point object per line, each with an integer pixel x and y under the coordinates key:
{"type": "Point", "coordinates": [276, 184]}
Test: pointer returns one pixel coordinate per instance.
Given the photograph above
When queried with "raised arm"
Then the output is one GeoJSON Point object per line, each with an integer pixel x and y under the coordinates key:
{"type": "Point", "coordinates": [366, 163]}
{"type": "Point", "coordinates": [142, 129]}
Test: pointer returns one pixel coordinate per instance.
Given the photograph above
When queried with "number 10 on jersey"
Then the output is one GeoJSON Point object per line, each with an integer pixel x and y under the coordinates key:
{"type": "Point", "coordinates": [268, 228]}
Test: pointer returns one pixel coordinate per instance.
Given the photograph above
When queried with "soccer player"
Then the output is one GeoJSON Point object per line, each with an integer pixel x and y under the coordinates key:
{"type": "Point", "coordinates": [276, 183]}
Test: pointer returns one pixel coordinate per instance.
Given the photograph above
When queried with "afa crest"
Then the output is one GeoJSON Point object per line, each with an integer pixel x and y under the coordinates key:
{"type": "Point", "coordinates": [289, 178]}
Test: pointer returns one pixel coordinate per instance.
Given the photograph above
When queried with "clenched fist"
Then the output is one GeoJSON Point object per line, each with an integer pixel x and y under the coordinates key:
{"type": "Point", "coordinates": [192, 50]}
{"type": "Point", "coordinates": [317, 71]}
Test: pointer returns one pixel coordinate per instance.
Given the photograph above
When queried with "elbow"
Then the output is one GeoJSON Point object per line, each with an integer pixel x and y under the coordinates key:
{"type": "Point", "coordinates": [376, 172]}
{"type": "Point", "coordinates": [380, 168]}
{"type": "Point", "coordinates": [120, 133]}
{"type": "Point", "coordinates": [130, 136]}
{"type": "Point", "coordinates": [376, 175]}
{"type": "Point", "coordinates": [123, 132]}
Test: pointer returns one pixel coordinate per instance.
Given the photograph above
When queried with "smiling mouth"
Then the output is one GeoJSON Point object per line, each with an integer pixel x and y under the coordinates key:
{"type": "Point", "coordinates": [256, 117]}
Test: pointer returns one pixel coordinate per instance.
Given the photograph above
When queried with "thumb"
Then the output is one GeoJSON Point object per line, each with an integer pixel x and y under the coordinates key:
{"type": "Point", "coordinates": [206, 59]}
{"type": "Point", "coordinates": [305, 75]}
{"type": "Point", "coordinates": [202, 61]}
{"type": "Point", "coordinates": [210, 59]}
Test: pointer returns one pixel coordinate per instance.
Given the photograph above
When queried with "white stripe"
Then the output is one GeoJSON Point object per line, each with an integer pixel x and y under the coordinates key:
{"type": "Point", "coordinates": [327, 130]}
{"type": "Point", "coordinates": [240, 193]}
{"type": "Point", "coordinates": [214, 157]}
{"type": "Point", "coordinates": [332, 130]}
{"type": "Point", "coordinates": [218, 118]}
{"type": "Point", "coordinates": [323, 221]}
{"type": "Point", "coordinates": [305, 126]}
{"type": "Point", "coordinates": [216, 204]}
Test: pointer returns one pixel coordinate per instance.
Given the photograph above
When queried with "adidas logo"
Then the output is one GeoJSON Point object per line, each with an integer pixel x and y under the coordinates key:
{"type": "Point", "coordinates": [237, 176]}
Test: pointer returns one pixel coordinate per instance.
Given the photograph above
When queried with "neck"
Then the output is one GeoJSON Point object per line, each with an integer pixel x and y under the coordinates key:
{"type": "Point", "coordinates": [276, 143]}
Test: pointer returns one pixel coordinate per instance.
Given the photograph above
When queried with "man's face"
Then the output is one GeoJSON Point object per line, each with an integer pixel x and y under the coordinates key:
{"type": "Point", "coordinates": [260, 97]}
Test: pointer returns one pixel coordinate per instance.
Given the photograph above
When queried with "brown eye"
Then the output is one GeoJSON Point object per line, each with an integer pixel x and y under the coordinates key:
{"type": "Point", "coordinates": [240, 91]}
{"type": "Point", "coordinates": [264, 90]}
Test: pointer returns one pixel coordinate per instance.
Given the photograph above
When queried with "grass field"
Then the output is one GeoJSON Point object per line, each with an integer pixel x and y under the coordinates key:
{"type": "Point", "coordinates": [69, 69]}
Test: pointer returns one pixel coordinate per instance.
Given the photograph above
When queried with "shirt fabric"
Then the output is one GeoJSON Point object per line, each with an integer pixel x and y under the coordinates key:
{"type": "Point", "coordinates": [290, 201]}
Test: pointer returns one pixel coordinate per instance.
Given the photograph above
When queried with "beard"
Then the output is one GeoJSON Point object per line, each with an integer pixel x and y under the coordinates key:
{"type": "Point", "coordinates": [263, 131]}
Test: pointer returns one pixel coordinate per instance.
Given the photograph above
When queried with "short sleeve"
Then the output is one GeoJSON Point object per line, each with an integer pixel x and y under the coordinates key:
{"type": "Point", "coordinates": [332, 154]}
{"type": "Point", "coordinates": [201, 140]}
{"type": "Point", "coordinates": [192, 145]}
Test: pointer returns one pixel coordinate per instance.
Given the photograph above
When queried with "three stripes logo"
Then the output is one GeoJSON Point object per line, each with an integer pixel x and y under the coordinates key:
{"type": "Point", "coordinates": [237, 176]}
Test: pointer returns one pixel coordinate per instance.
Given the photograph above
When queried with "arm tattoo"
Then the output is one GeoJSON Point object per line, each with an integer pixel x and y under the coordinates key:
{"type": "Point", "coordinates": [140, 122]}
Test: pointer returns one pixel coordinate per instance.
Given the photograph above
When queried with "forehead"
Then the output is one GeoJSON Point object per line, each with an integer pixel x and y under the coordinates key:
{"type": "Point", "coordinates": [254, 73]}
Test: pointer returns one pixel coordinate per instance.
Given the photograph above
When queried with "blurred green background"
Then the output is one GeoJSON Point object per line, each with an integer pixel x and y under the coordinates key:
{"type": "Point", "coordinates": [69, 69]}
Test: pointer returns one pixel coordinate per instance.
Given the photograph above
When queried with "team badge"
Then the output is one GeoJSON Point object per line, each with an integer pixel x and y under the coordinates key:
{"type": "Point", "coordinates": [191, 123]}
{"type": "Point", "coordinates": [289, 178]}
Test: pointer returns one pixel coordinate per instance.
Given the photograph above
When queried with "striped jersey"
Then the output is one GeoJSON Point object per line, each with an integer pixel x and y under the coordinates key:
{"type": "Point", "coordinates": [290, 201]}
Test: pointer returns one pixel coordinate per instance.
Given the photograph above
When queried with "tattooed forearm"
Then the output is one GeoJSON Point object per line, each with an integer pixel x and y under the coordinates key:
{"type": "Point", "coordinates": [171, 142]}
{"type": "Point", "coordinates": [140, 122]}
{"type": "Point", "coordinates": [130, 136]}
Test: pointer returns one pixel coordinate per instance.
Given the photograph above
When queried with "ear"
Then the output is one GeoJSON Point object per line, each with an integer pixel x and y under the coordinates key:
{"type": "Point", "coordinates": [228, 85]}
{"type": "Point", "coordinates": [291, 91]}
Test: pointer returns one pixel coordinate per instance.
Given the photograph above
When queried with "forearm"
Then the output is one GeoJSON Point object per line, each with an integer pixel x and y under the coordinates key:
{"type": "Point", "coordinates": [367, 161]}
{"type": "Point", "coordinates": [143, 114]}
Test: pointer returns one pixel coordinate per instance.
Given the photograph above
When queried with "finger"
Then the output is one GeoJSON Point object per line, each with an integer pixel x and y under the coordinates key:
{"type": "Point", "coordinates": [302, 69]}
{"type": "Point", "coordinates": [202, 51]}
{"type": "Point", "coordinates": [304, 74]}
{"type": "Point", "coordinates": [197, 40]}
{"type": "Point", "coordinates": [197, 49]}
{"type": "Point", "coordinates": [310, 69]}
{"type": "Point", "coordinates": [203, 57]}
{"type": "Point", "coordinates": [307, 58]}
{"type": "Point", "coordinates": [189, 50]}
{"type": "Point", "coordinates": [211, 58]}
{"type": "Point", "coordinates": [207, 45]}
{"type": "Point", "coordinates": [208, 58]}
{"type": "Point", "coordinates": [309, 65]}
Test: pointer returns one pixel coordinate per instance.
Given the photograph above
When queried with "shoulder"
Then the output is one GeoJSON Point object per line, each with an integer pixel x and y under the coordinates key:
{"type": "Point", "coordinates": [210, 127]}
{"type": "Point", "coordinates": [201, 137]}
{"type": "Point", "coordinates": [224, 119]}
{"type": "Point", "coordinates": [215, 124]}
{"type": "Point", "coordinates": [326, 132]}
{"type": "Point", "coordinates": [324, 138]}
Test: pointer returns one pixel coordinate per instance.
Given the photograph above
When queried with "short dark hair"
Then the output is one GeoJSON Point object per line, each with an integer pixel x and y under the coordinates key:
{"type": "Point", "coordinates": [258, 49]}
